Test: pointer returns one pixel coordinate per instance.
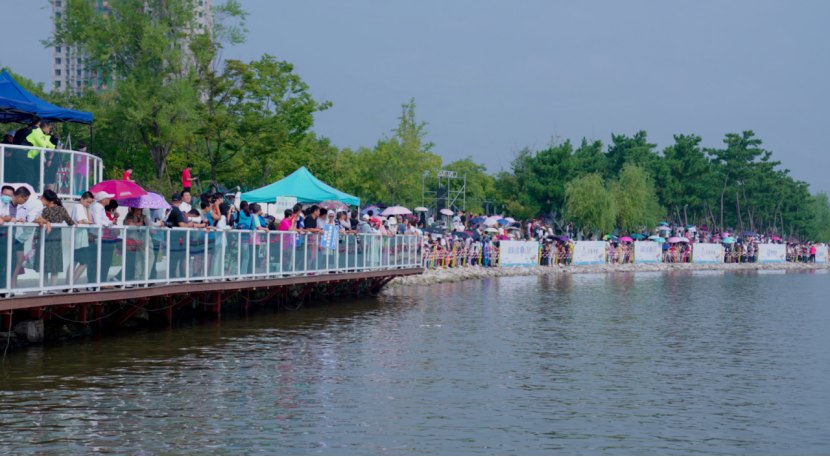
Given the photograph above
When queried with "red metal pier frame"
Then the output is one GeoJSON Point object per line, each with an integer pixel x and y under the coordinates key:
{"type": "Point", "coordinates": [117, 306]}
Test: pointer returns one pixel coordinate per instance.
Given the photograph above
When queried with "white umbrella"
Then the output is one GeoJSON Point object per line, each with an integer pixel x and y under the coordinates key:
{"type": "Point", "coordinates": [446, 212]}
{"type": "Point", "coordinates": [510, 219]}
{"type": "Point", "coordinates": [421, 209]}
{"type": "Point", "coordinates": [491, 221]}
{"type": "Point", "coordinates": [395, 210]}
{"type": "Point", "coordinates": [654, 237]}
{"type": "Point", "coordinates": [18, 185]}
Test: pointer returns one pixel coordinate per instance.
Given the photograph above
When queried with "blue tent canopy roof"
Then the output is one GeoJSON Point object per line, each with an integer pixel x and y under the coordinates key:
{"type": "Point", "coordinates": [11, 109]}
{"type": "Point", "coordinates": [10, 90]}
{"type": "Point", "coordinates": [303, 185]}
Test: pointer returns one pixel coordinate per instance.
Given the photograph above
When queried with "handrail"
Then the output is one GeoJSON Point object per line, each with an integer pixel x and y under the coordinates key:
{"type": "Point", "coordinates": [17, 167]}
{"type": "Point", "coordinates": [80, 257]}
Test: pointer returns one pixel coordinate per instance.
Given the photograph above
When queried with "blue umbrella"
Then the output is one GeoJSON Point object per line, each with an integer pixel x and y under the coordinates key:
{"type": "Point", "coordinates": [478, 220]}
{"type": "Point", "coordinates": [366, 209]}
{"type": "Point", "coordinates": [503, 222]}
{"type": "Point", "coordinates": [728, 240]}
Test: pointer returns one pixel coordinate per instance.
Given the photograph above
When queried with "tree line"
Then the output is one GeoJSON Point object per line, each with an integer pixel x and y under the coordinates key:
{"type": "Point", "coordinates": [175, 100]}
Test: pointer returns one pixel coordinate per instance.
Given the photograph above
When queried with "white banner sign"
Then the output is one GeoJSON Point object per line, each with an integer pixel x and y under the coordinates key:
{"type": "Point", "coordinates": [589, 252]}
{"type": "Point", "coordinates": [707, 253]}
{"type": "Point", "coordinates": [647, 252]}
{"type": "Point", "coordinates": [822, 254]}
{"type": "Point", "coordinates": [282, 204]}
{"type": "Point", "coordinates": [772, 253]}
{"type": "Point", "coordinates": [518, 253]}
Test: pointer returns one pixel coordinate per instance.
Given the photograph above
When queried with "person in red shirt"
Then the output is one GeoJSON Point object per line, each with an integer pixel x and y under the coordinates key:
{"type": "Point", "coordinates": [186, 179]}
{"type": "Point", "coordinates": [128, 175]}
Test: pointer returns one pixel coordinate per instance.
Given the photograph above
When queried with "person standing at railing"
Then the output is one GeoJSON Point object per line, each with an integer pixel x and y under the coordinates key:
{"type": "Point", "coordinates": [52, 162]}
{"type": "Point", "coordinates": [99, 217]}
{"type": "Point", "coordinates": [186, 199]}
{"type": "Point", "coordinates": [81, 170]}
{"type": "Point", "coordinates": [174, 220]}
{"type": "Point", "coordinates": [5, 216]}
{"type": "Point", "coordinates": [39, 137]}
{"type": "Point", "coordinates": [28, 212]}
{"type": "Point", "coordinates": [134, 257]}
{"type": "Point", "coordinates": [54, 213]}
{"type": "Point", "coordinates": [80, 214]}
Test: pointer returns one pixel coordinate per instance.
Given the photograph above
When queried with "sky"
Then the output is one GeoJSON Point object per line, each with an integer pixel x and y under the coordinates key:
{"type": "Point", "coordinates": [491, 77]}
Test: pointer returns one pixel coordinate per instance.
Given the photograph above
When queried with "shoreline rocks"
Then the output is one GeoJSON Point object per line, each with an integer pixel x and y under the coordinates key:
{"type": "Point", "coordinates": [438, 276]}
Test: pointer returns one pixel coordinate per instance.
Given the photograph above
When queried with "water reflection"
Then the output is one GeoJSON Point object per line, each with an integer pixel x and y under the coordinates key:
{"type": "Point", "coordinates": [618, 363]}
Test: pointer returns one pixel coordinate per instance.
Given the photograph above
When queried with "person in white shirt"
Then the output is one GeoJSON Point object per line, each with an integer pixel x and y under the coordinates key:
{"type": "Point", "coordinates": [99, 218]}
{"type": "Point", "coordinates": [28, 212]}
{"type": "Point", "coordinates": [80, 214]}
{"type": "Point", "coordinates": [185, 205]}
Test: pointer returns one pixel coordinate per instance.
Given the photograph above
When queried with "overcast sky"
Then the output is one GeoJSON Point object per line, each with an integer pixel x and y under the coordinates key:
{"type": "Point", "coordinates": [493, 77]}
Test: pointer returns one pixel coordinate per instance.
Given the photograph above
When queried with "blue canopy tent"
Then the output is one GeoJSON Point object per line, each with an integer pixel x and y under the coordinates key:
{"type": "Point", "coordinates": [11, 110]}
{"type": "Point", "coordinates": [304, 186]}
{"type": "Point", "coordinates": [9, 89]}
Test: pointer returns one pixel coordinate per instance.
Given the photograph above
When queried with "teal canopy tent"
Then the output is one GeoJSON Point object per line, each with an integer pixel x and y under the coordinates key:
{"type": "Point", "coordinates": [303, 185]}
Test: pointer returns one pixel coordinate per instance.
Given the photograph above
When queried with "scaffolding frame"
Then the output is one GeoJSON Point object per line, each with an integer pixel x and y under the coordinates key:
{"type": "Point", "coordinates": [454, 196]}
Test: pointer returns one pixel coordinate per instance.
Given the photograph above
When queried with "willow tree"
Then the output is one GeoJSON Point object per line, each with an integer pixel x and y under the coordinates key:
{"type": "Point", "coordinates": [590, 204]}
{"type": "Point", "coordinates": [635, 198]}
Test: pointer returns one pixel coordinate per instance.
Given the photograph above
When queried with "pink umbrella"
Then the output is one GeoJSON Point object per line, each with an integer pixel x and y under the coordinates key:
{"type": "Point", "coordinates": [395, 210]}
{"type": "Point", "coordinates": [151, 201]}
{"type": "Point", "coordinates": [119, 188]}
{"type": "Point", "coordinates": [335, 205]}
{"type": "Point", "coordinates": [776, 238]}
{"type": "Point", "coordinates": [446, 212]}
{"type": "Point", "coordinates": [674, 239]}
{"type": "Point", "coordinates": [625, 238]}
{"type": "Point", "coordinates": [663, 227]}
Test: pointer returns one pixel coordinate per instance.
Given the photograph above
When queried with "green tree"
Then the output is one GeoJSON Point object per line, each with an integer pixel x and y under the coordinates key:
{"type": "Point", "coordinates": [548, 172]}
{"type": "Point", "coordinates": [636, 200]}
{"type": "Point", "coordinates": [734, 164]}
{"type": "Point", "coordinates": [636, 150]}
{"type": "Point", "coordinates": [588, 158]}
{"type": "Point", "coordinates": [142, 46]}
{"type": "Point", "coordinates": [398, 163]}
{"type": "Point", "coordinates": [684, 178]}
{"type": "Point", "coordinates": [261, 109]}
{"type": "Point", "coordinates": [590, 204]}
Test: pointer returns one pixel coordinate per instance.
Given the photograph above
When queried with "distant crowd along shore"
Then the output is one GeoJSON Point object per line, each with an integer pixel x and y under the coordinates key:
{"type": "Point", "coordinates": [479, 240]}
{"type": "Point", "coordinates": [447, 239]}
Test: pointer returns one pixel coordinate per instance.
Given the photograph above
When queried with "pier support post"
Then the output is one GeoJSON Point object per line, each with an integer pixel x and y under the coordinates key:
{"type": "Point", "coordinates": [97, 312]}
{"type": "Point", "coordinates": [168, 314]}
{"type": "Point", "coordinates": [217, 306]}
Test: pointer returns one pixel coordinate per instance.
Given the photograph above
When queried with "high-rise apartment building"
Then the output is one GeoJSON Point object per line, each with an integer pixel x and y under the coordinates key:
{"type": "Point", "coordinates": [70, 69]}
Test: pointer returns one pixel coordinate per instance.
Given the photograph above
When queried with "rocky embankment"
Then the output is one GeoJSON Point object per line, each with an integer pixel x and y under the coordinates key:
{"type": "Point", "coordinates": [465, 273]}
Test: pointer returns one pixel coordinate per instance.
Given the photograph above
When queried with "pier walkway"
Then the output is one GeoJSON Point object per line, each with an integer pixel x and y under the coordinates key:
{"type": "Point", "coordinates": [95, 272]}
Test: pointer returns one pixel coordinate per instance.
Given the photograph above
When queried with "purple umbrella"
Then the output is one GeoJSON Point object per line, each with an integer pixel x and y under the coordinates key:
{"type": "Point", "coordinates": [151, 201]}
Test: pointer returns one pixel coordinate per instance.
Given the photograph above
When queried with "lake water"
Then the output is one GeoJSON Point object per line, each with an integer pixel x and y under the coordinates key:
{"type": "Point", "coordinates": [692, 363]}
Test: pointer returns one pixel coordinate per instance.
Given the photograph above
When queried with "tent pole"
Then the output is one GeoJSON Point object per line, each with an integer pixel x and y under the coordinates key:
{"type": "Point", "coordinates": [90, 139]}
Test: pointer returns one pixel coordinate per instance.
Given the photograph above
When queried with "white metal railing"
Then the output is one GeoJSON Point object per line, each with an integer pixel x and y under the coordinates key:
{"type": "Point", "coordinates": [68, 173]}
{"type": "Point", "coordinates": [82, 257]}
